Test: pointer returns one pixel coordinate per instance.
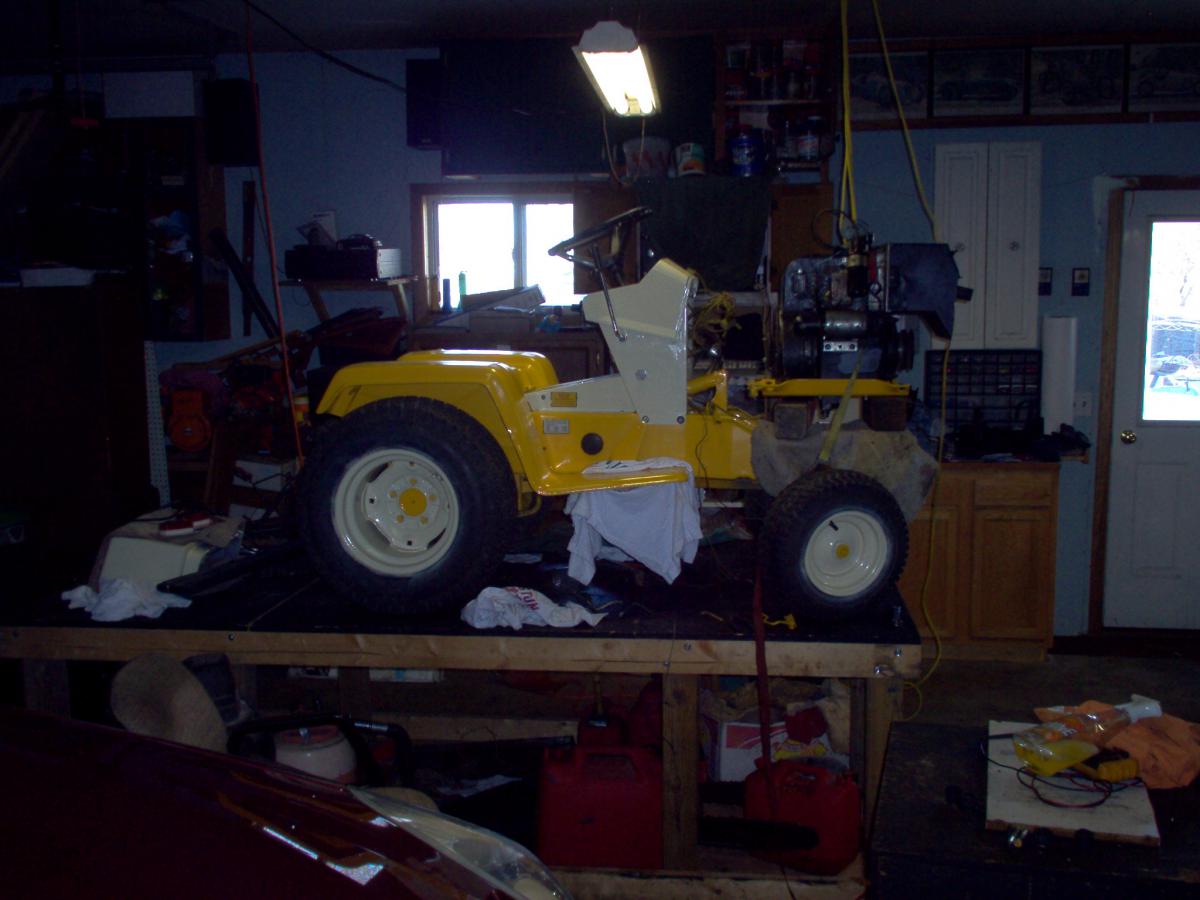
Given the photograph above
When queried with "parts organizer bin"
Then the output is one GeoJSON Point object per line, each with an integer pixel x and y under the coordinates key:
{"type": "Point", "coordinates": [1003, 385]}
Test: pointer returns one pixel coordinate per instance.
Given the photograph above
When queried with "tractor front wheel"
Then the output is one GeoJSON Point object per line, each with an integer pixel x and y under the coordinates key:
{"type": "Point", "coordinates": [406, 505]}
{"type": "Point", "coordinates": [832, 541]}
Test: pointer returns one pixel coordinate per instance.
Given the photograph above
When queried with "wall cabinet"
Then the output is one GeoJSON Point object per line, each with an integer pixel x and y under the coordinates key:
{"type": "Point", "coordinates": [991, 585]}
{"type": "Point", "coordinates": [988, 208]}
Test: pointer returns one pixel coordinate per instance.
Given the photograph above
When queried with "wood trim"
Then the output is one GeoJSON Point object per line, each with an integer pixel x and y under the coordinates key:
{"type": "Point", "coordinates": [1108, 376]}
{"type": "Point", "coordinates": [1104, 417]}
{"type": "Point", "coordinates": [488, 652]}
{"type": "Point", "coordinates": [1022, 120]}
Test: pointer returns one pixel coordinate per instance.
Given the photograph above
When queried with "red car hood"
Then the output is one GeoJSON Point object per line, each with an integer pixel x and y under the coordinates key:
{"type": "Point", "coordinates": [92, 811]}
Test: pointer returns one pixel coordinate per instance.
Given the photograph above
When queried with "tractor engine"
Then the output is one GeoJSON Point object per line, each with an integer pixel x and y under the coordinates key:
{"type": "Point", "coordinates": [837, 311]}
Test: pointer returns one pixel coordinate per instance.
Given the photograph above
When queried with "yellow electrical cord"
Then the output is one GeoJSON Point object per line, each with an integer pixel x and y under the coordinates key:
{"type": "Point", "coordinates": [932, 543]}
{"type": "Point", "coordinates": [847, 181]}
{"type": "Point", "coordinates": [912, 156]}
{"type": "Point", "coordinates": [849, 203]}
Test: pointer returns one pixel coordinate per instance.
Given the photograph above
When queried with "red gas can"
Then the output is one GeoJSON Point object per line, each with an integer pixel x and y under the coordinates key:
{"type": "Point", "coordinates": [818, 798]}
{"type": "Point", "coordinates": [601, 806]}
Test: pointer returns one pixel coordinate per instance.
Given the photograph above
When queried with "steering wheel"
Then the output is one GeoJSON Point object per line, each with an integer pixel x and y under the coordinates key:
{"type": "Point", "coordinates": [610, 228]}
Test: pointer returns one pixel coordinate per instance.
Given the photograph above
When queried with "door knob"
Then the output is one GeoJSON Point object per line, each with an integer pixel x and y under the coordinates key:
{"type": "Point", "coordinates": [1128, 437]}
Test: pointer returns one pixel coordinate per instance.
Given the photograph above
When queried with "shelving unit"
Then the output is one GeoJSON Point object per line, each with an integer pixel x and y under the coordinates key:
{"type": "Point", "coordinates": [777, 89]}
{"type": "Point", "coordinates": [179, 197]}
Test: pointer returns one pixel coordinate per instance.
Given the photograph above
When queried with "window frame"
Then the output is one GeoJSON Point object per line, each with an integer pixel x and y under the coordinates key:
{"type": "Point", "coordinates": [426, 197]}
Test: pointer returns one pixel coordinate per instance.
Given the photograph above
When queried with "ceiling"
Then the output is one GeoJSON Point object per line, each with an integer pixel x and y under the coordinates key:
{"type": "Point", "coordinates": [125, 29]}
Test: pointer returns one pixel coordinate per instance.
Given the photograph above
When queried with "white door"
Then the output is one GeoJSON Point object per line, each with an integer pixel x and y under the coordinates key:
{"type": "Point", "coordinates": [1152, 574]}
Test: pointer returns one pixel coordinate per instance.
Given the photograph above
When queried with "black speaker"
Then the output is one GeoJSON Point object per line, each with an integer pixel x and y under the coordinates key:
{"type": "Point", "coordinates": [229, 134]}
{"type": "Point", "coordinates": [423, 82]}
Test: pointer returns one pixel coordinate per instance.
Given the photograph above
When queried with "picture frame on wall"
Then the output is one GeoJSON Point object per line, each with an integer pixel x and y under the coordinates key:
{"type": "Point", "coordinates": [979, 82]}
{"type": "Point", "coordinates": [871, 97]}
{"type": "Point", "coordinates": [1164, 77]}
{"type": "Point", "coordinates": [1076, 80]}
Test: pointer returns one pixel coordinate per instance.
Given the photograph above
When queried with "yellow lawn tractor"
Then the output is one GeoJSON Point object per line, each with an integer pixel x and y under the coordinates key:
{"type": "Point", "coordinates": [410, 496]}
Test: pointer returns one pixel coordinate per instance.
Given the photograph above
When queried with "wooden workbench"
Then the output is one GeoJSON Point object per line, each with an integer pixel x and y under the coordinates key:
{"type": "Point", "coordinates": [297, 621]}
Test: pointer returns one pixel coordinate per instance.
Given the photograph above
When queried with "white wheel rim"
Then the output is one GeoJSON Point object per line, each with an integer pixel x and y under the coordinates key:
{"type": "Point", "coordinates": [846, 553]}
{"type": "Point", "coordinates": [395, 512]}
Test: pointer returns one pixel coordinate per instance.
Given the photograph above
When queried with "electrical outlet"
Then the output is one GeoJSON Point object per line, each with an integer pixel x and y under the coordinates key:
{"type": "Point", "coordinates": [1083, 403]}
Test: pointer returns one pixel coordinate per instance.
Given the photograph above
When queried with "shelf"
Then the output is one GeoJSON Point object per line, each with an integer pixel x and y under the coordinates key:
{"type": "Point", "coordinates": [768, 103]}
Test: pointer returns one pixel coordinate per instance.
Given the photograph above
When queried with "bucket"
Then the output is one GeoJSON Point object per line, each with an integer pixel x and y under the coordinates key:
{"type": "Point", "coordinates": [321, 750]}
{"type": "Point", "coordinates": [647, 158]}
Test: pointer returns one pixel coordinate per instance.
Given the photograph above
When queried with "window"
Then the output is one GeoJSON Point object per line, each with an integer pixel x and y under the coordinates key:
{"type": "Point", "coordinates": [494, 241]}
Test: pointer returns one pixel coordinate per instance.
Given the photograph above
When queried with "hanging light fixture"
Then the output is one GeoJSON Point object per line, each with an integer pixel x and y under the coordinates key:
{"type": "Point", "coordinates": [618, 69]}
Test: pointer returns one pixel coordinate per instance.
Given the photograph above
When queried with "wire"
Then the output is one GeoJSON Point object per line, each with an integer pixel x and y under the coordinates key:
{"type": "Point", "coordinates": [1028, 779]}
{"type": "Point", "coordinates": [270, 237]}
{"type": "Point", "coordinates": [387, 82]}
{"type": "Point", "coordinates": [847, 197]}
{"type": "Point", "coordinates": [324, 54]}
{"type": "Point", "coordinates": [930, 547]}
{"type": "Point", "coordinates": [912, 156]}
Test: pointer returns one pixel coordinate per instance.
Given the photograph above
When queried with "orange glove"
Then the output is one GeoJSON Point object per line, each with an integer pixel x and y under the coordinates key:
{"type": "Point", "coordinates": [1167, 750]}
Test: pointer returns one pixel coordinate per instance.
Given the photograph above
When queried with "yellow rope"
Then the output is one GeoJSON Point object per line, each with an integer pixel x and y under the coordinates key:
{"type": "Point", "coordinates": [912, 156]}
{"type": "Point", "coordinates": [848, 200]}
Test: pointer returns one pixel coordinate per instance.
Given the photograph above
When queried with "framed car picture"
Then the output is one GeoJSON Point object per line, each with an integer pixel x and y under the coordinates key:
{"type": "Point", "coordinates": [979, 82]}
{"type": "Point", "coordinates": [871, 96]}
{"type": "Point", "coordinates": [1076, 80]}
{"type": "Point", "coordinates": [1164, 76]}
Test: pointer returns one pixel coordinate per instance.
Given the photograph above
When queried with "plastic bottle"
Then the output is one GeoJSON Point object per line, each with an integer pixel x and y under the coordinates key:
{"type": "Point", "coordinates": [1070, 737]}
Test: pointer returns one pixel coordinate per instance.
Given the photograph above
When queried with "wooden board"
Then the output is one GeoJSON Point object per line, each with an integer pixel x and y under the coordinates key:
{"type": "Point", "coordinates": [488, 651]}
{"type": "Point", "coordinates": [727, 876]}
{"type": "Point", "coordinates": [1125, 817]}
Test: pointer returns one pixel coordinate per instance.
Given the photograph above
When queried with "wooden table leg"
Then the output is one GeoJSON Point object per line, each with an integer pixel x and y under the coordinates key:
{"type": "Point", "coordinates": [47, 688]}
{"type": "Point", "coordinates": [681, 756]}
{"type": "Point", "coordinates": [881, 706]}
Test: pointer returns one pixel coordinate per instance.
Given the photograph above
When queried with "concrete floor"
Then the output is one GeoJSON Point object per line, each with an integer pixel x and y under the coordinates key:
{"type": "Point", "coordinates": [972, 692]}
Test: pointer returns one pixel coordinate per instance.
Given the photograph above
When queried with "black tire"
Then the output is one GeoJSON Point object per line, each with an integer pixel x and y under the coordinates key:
{"type": "Point", "coordinates": [457, 536]}
{"type": "Point", "coordinates": [806, 572]}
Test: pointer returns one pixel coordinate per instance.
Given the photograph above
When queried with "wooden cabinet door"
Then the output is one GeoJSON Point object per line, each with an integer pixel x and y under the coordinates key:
{"type": "Point", "coordinates": [1014, 225]}
{"type": "Point", "coordinates": [1012, 572]}
{"type": "Point", "coordinates": [960, 197]}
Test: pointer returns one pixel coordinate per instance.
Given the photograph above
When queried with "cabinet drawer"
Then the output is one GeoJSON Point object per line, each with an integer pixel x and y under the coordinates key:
{"type": "Point", "coordinates": [1016, 489]}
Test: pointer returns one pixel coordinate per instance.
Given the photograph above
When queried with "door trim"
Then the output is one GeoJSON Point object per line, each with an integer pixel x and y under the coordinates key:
{"type": "Point", "coordinates": [1108, 376]}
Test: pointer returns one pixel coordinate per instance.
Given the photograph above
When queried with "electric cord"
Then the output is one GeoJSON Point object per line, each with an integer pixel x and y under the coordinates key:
{"type": "Point", "coordinates": [1070, 783]}
{"type": "Point", "coordinates": [931, 545]}
{"type": "Point", "coordinates": [270, 237]}
{"type": "Point", "coordinates": [912, 156]}
{"type": "Point", "coordinates": [847, 199]}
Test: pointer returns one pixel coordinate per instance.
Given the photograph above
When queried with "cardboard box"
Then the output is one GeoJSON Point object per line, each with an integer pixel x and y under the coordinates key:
{"type": "Point", "coordinates": [733, 747]}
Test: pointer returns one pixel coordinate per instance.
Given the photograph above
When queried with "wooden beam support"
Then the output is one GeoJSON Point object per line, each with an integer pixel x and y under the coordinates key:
{"type": "Point", "coordinates": [489, 652]}
{"type": "Point", "coordinates": [681, 756]}
{"type": "Point", "coordinates": [880, 707]}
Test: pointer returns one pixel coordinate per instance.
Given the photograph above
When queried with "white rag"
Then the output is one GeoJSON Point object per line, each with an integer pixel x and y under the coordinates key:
{"type": "Point", "coordinates": [120, 599]}
{"type": "Point", "coordinates": [657, 524]}
{"type": "Point", "coordinates": [512, 607]}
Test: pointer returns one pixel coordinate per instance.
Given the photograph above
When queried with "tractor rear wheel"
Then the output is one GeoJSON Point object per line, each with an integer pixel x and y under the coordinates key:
{"type": "Point", "coordinates": [831, 543]}
{"type": "Point", "coordinates": [406, 505]}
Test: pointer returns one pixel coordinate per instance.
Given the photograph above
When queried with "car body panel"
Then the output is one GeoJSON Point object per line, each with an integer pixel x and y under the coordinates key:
{"type": "Point", "coordinates": [95, 811]}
